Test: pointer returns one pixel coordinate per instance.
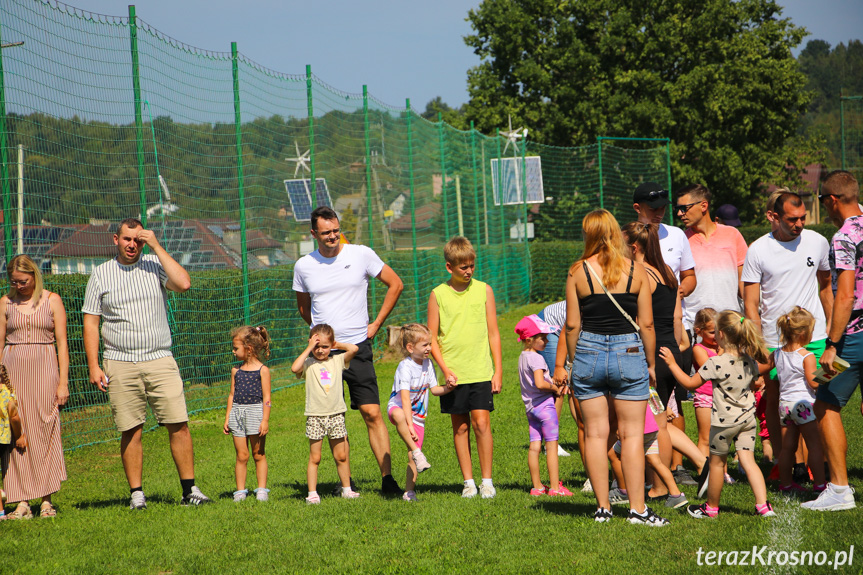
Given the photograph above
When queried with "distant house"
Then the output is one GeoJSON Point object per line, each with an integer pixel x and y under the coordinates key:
{"type": "Point", "coordinates": [402, 232]}
{"type": "Point", "coordinates": [196, 244]}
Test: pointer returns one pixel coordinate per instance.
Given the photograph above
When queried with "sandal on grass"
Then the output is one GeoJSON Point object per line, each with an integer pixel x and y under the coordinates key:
{"type": "Point", "coordinates": [21, 512]}
{"type": "Point", "coordinates": [47, 510]}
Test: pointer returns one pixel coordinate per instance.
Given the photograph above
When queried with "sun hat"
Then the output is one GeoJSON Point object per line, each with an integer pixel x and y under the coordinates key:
{"type": "Point", "coordinates": [531, 325]}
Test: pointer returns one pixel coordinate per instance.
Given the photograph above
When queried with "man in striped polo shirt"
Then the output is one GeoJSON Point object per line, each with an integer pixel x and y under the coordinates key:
{"type": "Point", "coordinates": [128, 293]}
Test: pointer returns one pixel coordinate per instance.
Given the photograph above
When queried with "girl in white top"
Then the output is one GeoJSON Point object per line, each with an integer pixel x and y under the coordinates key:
{"type": "Point", "coordinates": [795, 367]}
{"type": "Point", "coordinates": [408, 405]}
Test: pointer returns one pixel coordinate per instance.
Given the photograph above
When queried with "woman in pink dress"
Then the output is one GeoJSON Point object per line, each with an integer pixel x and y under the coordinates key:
{"type": "Point", "coordinates": [32, 321]}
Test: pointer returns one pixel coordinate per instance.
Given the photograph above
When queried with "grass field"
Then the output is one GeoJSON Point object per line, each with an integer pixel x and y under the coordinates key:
{"type": "Point", "coordinates": [95, 532]}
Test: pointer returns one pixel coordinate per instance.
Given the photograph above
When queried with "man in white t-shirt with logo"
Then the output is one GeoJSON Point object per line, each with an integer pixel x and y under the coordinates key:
{"type": "Point", "coordinates": [789, 266]}
{"type": "Point", "coordinates": [331, 284]}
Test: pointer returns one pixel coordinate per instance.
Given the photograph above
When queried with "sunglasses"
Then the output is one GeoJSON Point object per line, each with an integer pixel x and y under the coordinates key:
{"type": "Point", "coordinates": [655, 195]}
{"type": "Point", "coordinates": [684, 207]}
{"type": "Point", "coordinates": [19, 283]}
{"type": "Point", "coordinates": [822, 197]}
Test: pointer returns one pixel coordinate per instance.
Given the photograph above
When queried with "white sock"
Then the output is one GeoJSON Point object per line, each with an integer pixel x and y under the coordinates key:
{"type": "Point", "coordinates": [346, 489]}
{"type": "Point", "coordinates": [312, 493]}
{"type": "Point", "coordinates": [839, 488]}
{"type": "Point", "coordinates": [470, 483]}
{"type": "Point", "coordinates": [486, 481]}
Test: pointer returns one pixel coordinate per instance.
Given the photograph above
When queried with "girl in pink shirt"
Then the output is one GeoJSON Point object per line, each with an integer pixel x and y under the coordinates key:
{"type": "Point", "coordinates": [705, 328]}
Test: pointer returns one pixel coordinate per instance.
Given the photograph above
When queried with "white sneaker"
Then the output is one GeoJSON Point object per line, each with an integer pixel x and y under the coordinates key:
{"type": "Point", "coordinates": [561, 452]}
{"type": "Point", "coordinates": [420, 460]}
{"type": "Point", "coordinates": [487, 491]}
{"type": "Point", "coordinates": [468, 491]}
{"type": "Point", "coordinates": [410, 496]}
{"type": "Point", "coordinates": [240, 495]}
{"type": "Point", "coordinates": [349, 494]}
{"type": "Point", "coordinates": [587, 488]}
{"type": "Point", "coordinates": [262, 494]}
{"type": "Point", "coordinates": [831, 500]}
{"type": "Point", "coordinates": [138, 500]}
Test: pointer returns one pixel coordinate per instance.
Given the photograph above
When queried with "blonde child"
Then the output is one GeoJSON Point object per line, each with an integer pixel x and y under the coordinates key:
{"type": "Point", "coordinates": [247, 416]}
{"type": "Point", "coordinates": [705, 328]}
{"type": "Point", "coordinates": [796, 368]}
{"type": "Point", "coordinates": [538, 393]}
{"type": "Point", "coordinates": [408, 404]}
{"type": "Point", "coordinates": [466, 346]}
{"type": "Point", "coordinates": [10, 426]}
{"type": "Point", "coordinates": [733, 374]}
{"type": "Point", "coordinates": [325, 404]}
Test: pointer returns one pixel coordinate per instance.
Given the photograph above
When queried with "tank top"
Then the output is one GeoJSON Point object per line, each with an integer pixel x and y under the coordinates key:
{"type": "Point", "coordinates": [247, 387]}
{"type": "Point", "coordinates": [463, 332]}
{"type": "Point", "coordinates": [792, 376]}
{"type": "Point", "coordinates": [599, 315]}
{"type": "Point", "coordinates": [707, 387]}
{"type": "Point", "coordinates": [664, 301]}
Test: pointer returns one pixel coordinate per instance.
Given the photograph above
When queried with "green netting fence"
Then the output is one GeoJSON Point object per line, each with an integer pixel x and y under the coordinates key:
{"type": "Point", "coordinates": [105, 117]}
{"type": "Point", "coordinates": [851, 121]}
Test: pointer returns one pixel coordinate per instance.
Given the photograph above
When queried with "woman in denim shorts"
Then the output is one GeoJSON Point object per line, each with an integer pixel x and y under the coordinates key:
{"type": "Point", "coordinates": [610, 359]}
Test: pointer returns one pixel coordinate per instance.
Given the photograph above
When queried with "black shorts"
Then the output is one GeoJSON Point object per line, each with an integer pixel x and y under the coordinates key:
{"type": "Point", "coordinates": [360, 377]}
{"type": "Point", "coordinates": [467, 397]}
{"type": "Point", "coordinates": [665, 382]}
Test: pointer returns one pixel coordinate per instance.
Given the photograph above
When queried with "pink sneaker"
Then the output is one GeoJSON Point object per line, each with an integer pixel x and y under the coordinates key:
{"type": "Point", "coordinates": [537, 492]}
{"type": "Point", "coordinates": [350, 494]}
{"type": "Point", "coordinates": [792, 488]}
{"type": "Point", "coordinates": [313, 499]}
{"type": "Point", "coordinates": [561, 490]}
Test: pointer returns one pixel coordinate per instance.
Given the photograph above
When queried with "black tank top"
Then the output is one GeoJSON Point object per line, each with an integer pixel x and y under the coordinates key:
{"type": "Point", "coordinates": [599, 314]}
{"type": "Point", "coordinates": [664, 301]}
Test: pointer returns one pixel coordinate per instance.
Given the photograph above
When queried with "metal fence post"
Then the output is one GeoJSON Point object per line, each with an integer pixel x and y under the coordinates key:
{"type": "Point", "coordinates": [238, 127]}
{"type": "Point", "coordinates": [413, 213]}
{"type": "Point", "coordinates": [139, 123]}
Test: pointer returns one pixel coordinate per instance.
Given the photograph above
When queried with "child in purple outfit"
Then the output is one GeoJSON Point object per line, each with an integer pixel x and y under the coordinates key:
{"type": "Point", "coordinates": [538, 393]}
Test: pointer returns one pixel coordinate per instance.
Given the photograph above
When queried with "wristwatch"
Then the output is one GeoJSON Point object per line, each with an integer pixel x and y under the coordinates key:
{"type": "Point", "coordinates": [829, 343]}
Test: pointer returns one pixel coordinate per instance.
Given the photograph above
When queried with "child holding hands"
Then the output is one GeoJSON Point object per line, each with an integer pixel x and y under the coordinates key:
{"type": "Point", "coordinates": [325, 404]}
{"type": "Point", "coordinates": [10, 426]}
{"type": "Point", "coordinates": [538, 393]}
{"type": "Point", "coordinates": [408, 405]}
{"type": "Point", "coordinates": [247, 417]}
{"type": "Point", "coordinates": [733, 374]}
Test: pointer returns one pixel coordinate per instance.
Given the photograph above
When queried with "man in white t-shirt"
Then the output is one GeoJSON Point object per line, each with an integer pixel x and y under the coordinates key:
{"type": "Point", "coordinates": [331, 284]}
{"type": "Point", "coordinates": [789, 266]}
{"type": "Point", "coordinates": [718, 250]}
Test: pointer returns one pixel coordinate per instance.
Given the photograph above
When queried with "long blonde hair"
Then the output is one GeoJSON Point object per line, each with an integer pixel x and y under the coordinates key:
{"type": "Point", "coordinates": [740, 333]}
{"type": "Point", "coordinates": [603, 238]}
{"type": "Point", "coordinates": [23, 263]}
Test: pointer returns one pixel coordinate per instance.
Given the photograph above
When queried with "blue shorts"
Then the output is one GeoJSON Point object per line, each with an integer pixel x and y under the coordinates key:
{"type": "Point", "coordinates": [610, 364]}
{"type": "Point", "coordinates": [839, 390]}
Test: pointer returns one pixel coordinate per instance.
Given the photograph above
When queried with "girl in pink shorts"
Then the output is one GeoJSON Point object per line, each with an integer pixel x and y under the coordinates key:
{"type": "Point", "coordinates": [705, 328]}
{"type": "Point", "coordinates": [538, 393]}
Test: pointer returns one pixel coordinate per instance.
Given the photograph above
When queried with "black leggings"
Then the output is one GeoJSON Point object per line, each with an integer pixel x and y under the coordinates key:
{"type": "Point", "coordinates": [665, 381]}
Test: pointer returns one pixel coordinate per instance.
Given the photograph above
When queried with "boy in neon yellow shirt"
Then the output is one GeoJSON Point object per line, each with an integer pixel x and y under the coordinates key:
{"type": "Point", "coordinates": [462, 318]}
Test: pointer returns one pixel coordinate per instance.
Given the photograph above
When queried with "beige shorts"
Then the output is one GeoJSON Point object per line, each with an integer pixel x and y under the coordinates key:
{"type": "Point", "coordinates": [320, 426]}
{"type": "Point", "coordinates": [743, 436]}
{"type": "Point", "coordinates": [132, 385]}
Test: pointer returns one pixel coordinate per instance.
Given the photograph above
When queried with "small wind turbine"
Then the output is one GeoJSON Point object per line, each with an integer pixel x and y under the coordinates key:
{"type": "Point", "coordinates": [512, 137]}
{"type": "Point", "coordinates": [302, 160]}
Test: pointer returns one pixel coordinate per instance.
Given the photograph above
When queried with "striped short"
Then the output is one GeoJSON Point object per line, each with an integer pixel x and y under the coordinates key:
{"type": "Point", "coordinates": [245, 419]}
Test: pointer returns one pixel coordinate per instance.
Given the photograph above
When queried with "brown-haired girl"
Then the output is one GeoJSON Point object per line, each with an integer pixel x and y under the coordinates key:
{"type": "Point", "coordinates": [248, 413]}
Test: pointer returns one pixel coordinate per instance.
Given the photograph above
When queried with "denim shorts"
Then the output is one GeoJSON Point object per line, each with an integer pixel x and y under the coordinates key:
{"type": "Point", "coordinates": [838, 390]}
{"type": "Point", "coordinates": [610, 364]}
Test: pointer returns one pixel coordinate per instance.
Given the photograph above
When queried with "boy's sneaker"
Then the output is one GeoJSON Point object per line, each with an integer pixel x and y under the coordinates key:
{"type": "Point", "coordinates": [587, 487]}
{"type": "Point", "coordinates": [561, 452]}
{"type": "Point", "coordinates": [262, 494]}
{"type": "Point", "coordinates": [337, 490]}
{"type": "Point", "coordinates": [765, 510]}
{"type": "Point", "coordinates": [487, 491]}
{"type": "Point", "coordinates": [195, 497]}
{"type": "Point", "coordinates": [702, 479]}
{"type": "Point", "coordinates": [700, 511]}
{"type": "Point", "coordinates": [832, 500]}
{"type": "Point", "coordinates": [410, 496]}
{"type": "Point", "coordinates": [138, 500]}
{"type": "Point", "coordinates": [682, 476]}
{"type": "Point", "coordinates": [646, 518]}
{"type": "Point", "coordinates": [420, 460]}
{"type": "Point", "coordinates": [241, 495]}
{"type": "Point", "coordinates": [676, 501]}
{"type": "Point", "coordinates": [602, 515]}
{"type": "Point", "coordinates": [617, 497]}
{"type": "Point", "coordinates": [793, 489]}
{"type": "Point", "coordinates": [313, 499]}
{"type": "Point", "coordinates": [349, 494]}
{"type": "Point", "coordinates": [468, 491]}
{"type": "Point", "coordinates": [537, 492]}
{"type": "Point", "coordinates": [389, 486]}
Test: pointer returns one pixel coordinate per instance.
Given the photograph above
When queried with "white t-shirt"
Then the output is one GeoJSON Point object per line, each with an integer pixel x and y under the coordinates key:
{"type": "Point", "coordinates": [675, 249]}
{"type": "Point", "coordinates": [338, 288]}
{"type": "Point", "coordinates": [417, 379]}
{"type": "Point", "coordinates": [787, 272]}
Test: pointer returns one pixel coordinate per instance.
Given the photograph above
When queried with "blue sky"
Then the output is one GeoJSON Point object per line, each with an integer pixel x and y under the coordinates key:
{"type": "Point", "coordinates": [400, 49]}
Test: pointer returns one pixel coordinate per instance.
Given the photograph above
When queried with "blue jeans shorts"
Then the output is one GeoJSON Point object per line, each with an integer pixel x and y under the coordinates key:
{"type": "Point", "coordinates": [838, 390]}
{"type": "Point", "coordinates": [610, 364]}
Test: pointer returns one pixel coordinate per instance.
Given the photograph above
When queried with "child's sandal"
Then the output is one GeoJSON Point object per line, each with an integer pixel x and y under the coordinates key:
{"type": "Point", "coordinates": [47, 510]}
{"type": "Point", "coordinates": [21, 512]}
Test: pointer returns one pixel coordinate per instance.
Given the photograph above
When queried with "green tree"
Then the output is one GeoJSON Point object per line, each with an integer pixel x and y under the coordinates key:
{"type": "Point", "coordinates": [715, 76]}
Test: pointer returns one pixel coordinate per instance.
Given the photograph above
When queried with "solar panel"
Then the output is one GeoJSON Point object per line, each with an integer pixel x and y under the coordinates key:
{"type": "Point", "coordinates": [514, 176]}
{"type": "Point", "coordinates": [299, 192]}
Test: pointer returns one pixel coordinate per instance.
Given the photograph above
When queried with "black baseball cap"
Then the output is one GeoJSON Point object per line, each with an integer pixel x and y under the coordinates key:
{"type": "Point", "coordinates": [652, 194]}
{"type": "Point", "coordinates": [729, 215]}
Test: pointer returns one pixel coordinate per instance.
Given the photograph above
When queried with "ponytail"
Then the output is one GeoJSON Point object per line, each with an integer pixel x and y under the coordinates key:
{"type": "Point", "coordinates": [742, 334]}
